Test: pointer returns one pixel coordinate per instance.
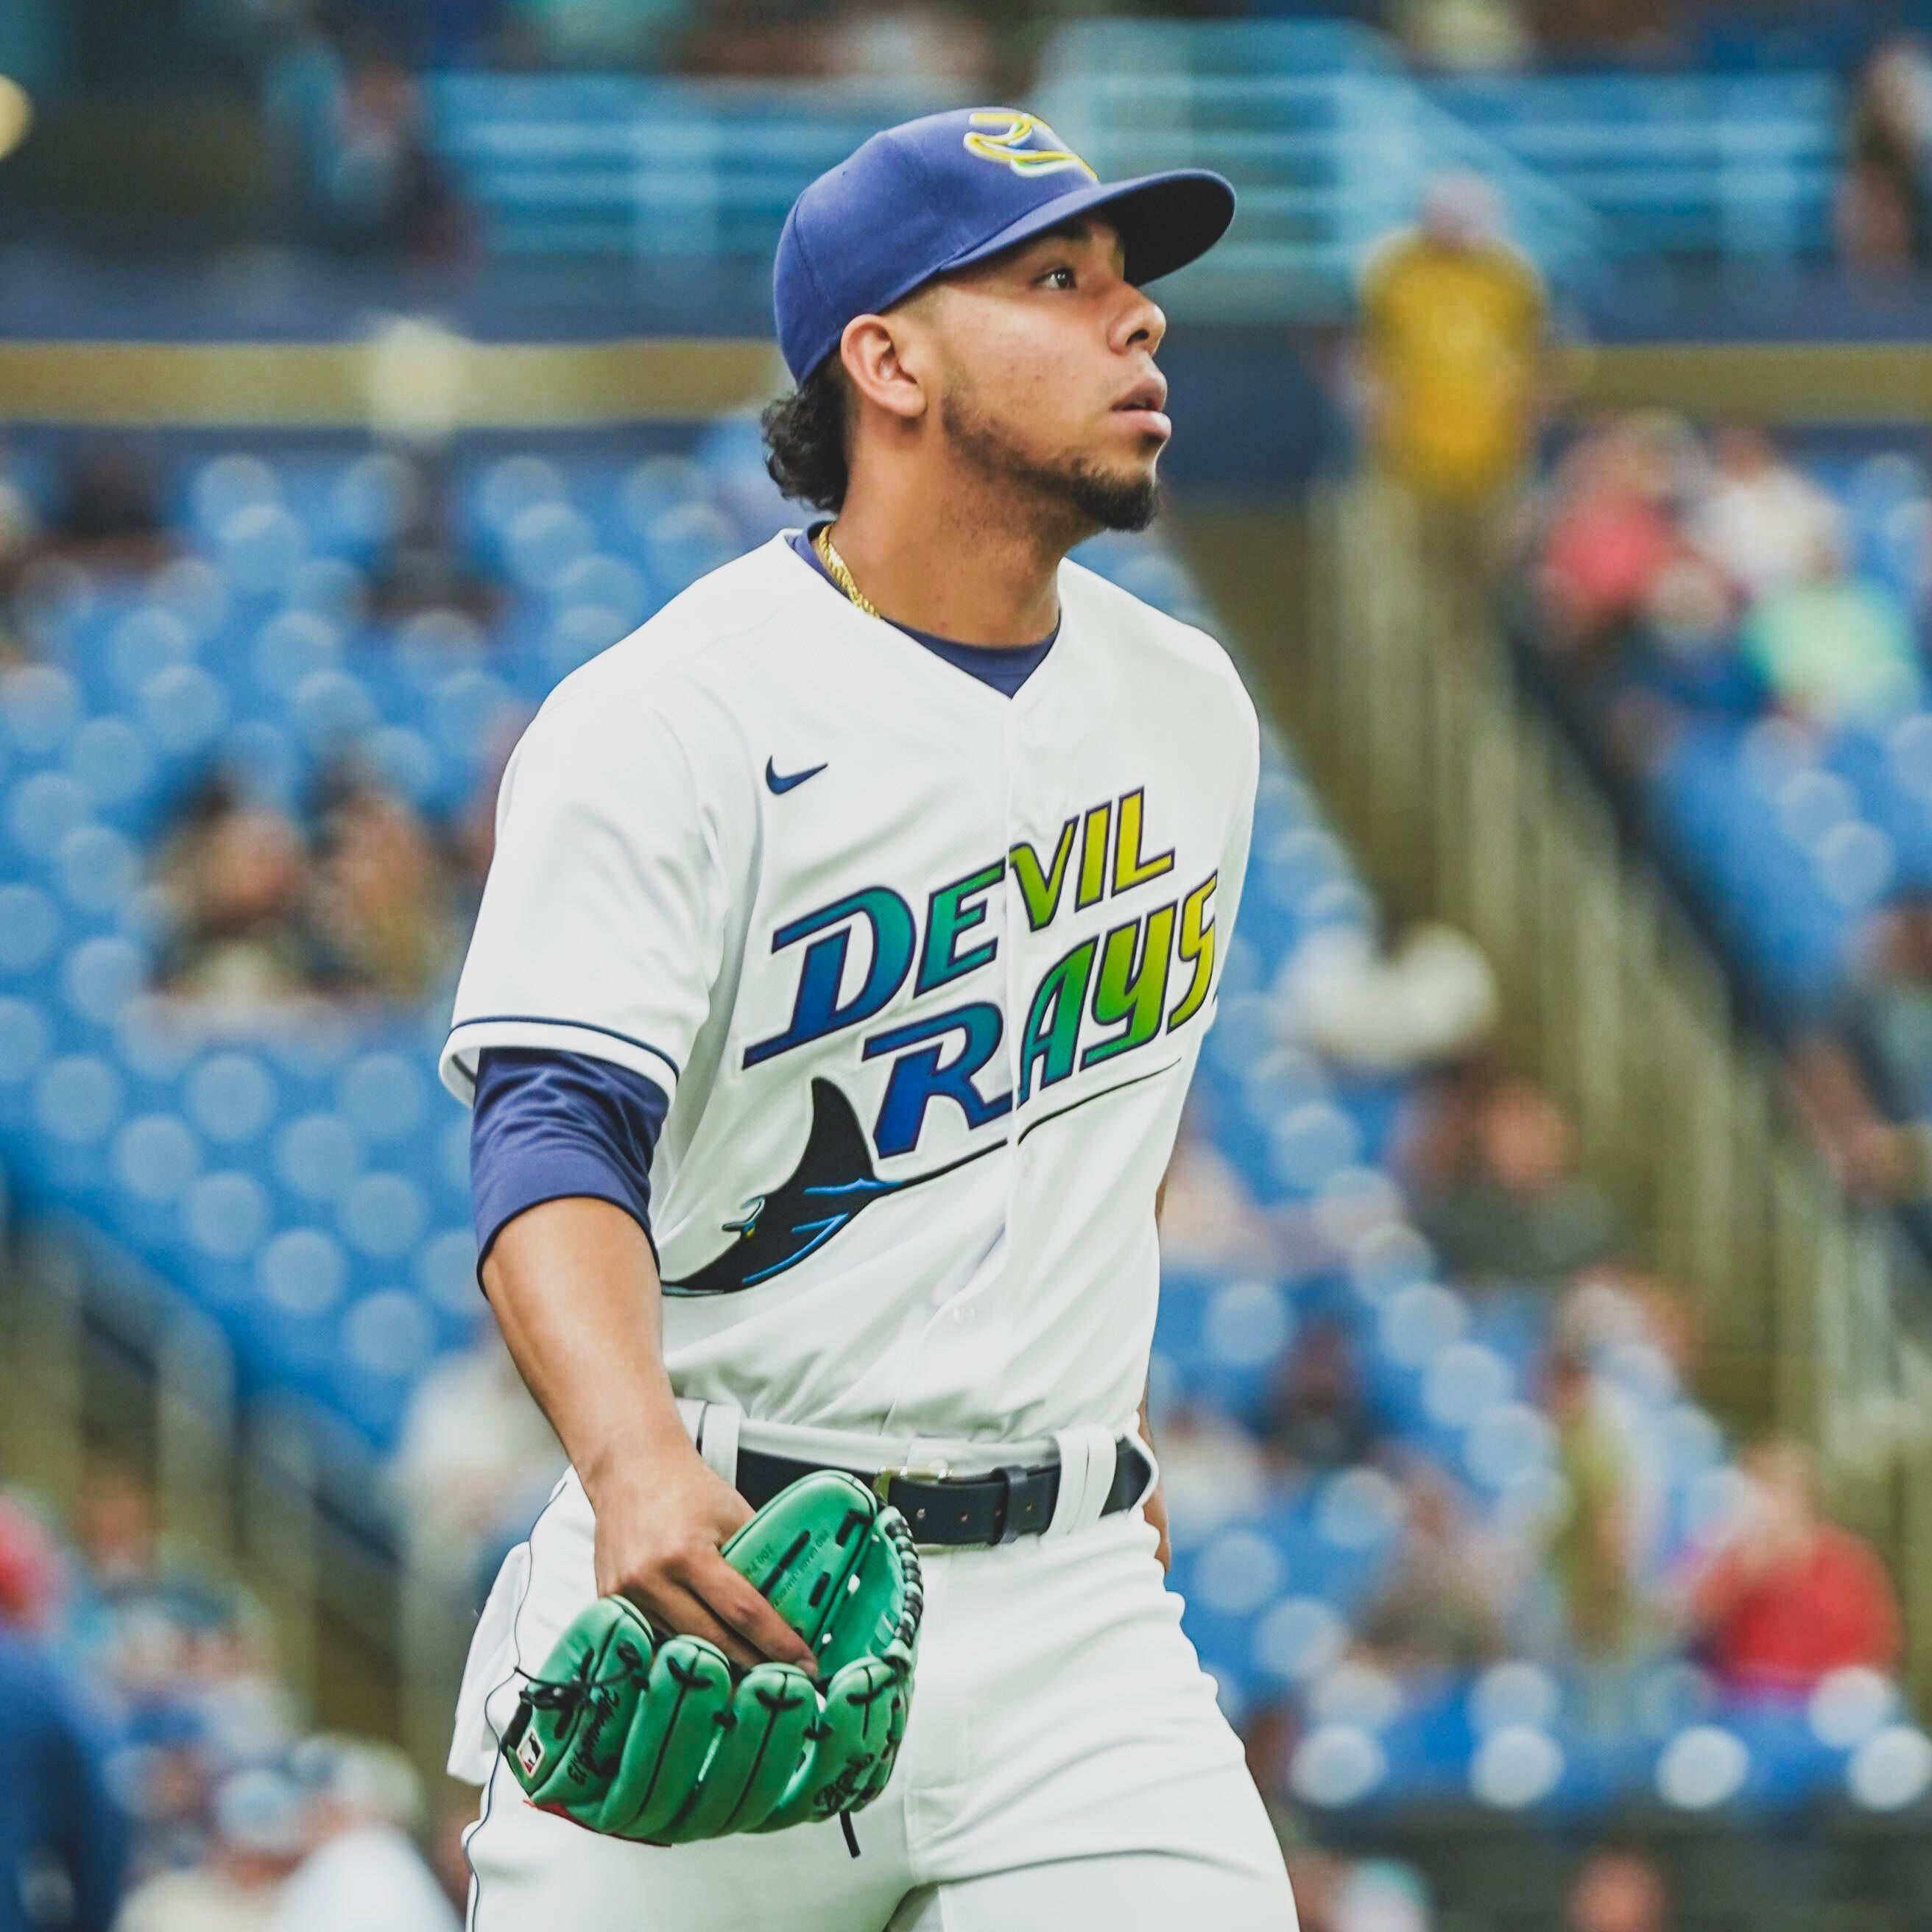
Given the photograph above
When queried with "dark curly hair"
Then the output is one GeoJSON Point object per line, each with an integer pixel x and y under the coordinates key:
{"type": "Point", "coordinates": [806, 437]}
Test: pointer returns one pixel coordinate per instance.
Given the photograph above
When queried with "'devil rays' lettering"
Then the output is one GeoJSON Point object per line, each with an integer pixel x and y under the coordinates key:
{"type": "Point", "coordinates": [922, 1074]}
{"type": "Point", "coordinates": [1041, 886]}
{"type": "Point", "coordinates": [817, 1010]}
{"type": "Point", "coordinates": [1052, 1032]}
{"type": "Point", "coordinates": [1130, 869]}
{"type": "Point", "coordinates": [1196, 949]}
{"type": "Point", "coordinates": [1131, 984]}
{"type": "Point", "coordinates": [951, 913]}
{"type": "Point", "coordinates": [1093, 854]}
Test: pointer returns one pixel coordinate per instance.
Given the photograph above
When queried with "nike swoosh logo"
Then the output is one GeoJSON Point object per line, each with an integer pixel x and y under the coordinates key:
{"type": "Point", "coordinates": [783, 782]}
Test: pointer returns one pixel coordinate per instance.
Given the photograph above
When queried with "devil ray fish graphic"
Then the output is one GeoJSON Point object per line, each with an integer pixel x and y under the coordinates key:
{"type": "Point", "coordinates": [833, 1184]}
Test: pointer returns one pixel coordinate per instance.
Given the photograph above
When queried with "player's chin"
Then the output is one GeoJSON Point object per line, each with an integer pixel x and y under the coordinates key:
{"type": "Point", "coordinates": [1118, 496]}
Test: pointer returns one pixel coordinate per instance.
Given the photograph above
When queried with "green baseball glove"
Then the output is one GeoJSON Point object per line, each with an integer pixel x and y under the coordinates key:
{"type": "Point", "coordinates": [663, 1738]}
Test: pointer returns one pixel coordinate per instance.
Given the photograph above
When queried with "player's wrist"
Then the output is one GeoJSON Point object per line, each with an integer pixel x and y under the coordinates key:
{"type": "Point", "coordinates": [636, 1459]}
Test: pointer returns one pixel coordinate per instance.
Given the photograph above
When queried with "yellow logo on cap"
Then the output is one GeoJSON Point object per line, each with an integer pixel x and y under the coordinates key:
{"type": "Point", "coordinates": [1008, 145]}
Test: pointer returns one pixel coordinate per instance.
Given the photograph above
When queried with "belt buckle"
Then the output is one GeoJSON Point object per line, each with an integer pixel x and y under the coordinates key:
{"type": "Point", "coordinates": [935, 1471]}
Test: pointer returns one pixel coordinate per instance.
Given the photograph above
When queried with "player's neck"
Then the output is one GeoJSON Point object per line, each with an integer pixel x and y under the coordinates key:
{"type": "Point", "coordinates": [927, 561]}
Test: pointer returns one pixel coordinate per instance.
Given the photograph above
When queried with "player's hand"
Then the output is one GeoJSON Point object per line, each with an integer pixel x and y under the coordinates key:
{"type": "Point", "coordinates": [659, 1535]}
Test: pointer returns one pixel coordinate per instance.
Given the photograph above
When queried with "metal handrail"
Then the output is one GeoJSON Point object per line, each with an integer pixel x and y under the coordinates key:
{"type": "Point", "coordinates": [265, 1487]}
{"type": "Point", "coordinates": [1464, 803]}
{"type": "Point", "coordinates": [1318, 124]}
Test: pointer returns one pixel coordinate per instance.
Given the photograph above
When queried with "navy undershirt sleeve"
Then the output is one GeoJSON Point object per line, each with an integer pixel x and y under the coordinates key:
{"type": "Point", "coordinates": [1005, 667]}
{"type": "Point", "coordinates": [546, 1124]}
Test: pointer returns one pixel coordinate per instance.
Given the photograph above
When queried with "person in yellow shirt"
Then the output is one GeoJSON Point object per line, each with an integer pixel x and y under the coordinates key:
{"type": "Point", "coordinates": [1453, 322]}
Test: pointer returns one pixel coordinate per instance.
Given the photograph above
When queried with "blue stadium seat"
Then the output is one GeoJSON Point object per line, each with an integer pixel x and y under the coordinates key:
{"type": "Point", "coordinates": [231, 1096]}
{"type": "Point", "coordinates": [182, 708]}
{"type": "Point", "coordinates": [304, 1272]}
{"type": "Point", "coordinates": [227, 1214]}
{"type": "Point", "coordinates": [317, 1156]}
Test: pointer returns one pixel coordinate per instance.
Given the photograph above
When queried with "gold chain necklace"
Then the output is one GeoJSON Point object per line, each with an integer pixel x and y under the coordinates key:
{"type": "Point", "coordinates": [841, 574]}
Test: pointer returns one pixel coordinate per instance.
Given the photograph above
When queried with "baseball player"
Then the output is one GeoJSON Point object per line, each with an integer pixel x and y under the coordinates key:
{"type": "Point", "coordinates": [848, 947]}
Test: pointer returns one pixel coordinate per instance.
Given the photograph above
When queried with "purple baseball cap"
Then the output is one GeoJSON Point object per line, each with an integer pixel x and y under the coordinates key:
{"type": "Point", "coordinates": [950, 189]}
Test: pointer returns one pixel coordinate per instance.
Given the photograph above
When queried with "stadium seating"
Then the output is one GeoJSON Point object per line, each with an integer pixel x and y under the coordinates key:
{"type": "Point", "coordinates": [309, 1185]}
{"type": "Point", "coordinates": [1793, 835]}
{"type": "Point", "coordinates": [1329, 140]}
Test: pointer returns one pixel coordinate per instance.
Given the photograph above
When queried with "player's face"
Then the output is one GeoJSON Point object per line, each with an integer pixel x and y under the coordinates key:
{"type": "Point", "coordinates": [1049, 380]}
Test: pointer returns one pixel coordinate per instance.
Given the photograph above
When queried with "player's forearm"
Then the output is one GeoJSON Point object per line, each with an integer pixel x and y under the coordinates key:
{"type": "Point", "coordinates": [575, 1289]}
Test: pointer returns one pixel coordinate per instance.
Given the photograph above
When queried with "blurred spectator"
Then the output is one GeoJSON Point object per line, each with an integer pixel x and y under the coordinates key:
{"type": "Point", "coordinates": [475, 1448]}
{"type": "Point", "coordinates": [1681, 657]}
{"type": "Point", "coordinates": [423, 566]}
{"type": "Point", "coordinates": [1498, 1190]}
{"type": "Point", "coordinates": [20, 543]}
{"type": "Point", "coordinates": [926, 46]}
{"type": "Point", "coordinates": [1611, 533]}
{"type": "Point", "coordinates": [234, 876]}
{"type": "Point", "coordinates": [1618, 1891]}
{"type": "Point", "coordinates": [381, 901]}
{"type": "Point", "coordinates": [1208, 1219]}
{"type": "Point", "coordinates": [1316, 1877]}
{"type": "Point", "coordinates": [1446, 1599]}
{"type": "Point", "coordinates": [228, 1675]}
{"type": "Point", "coordinates": [1464, 36]}
{"type": "Point", "coordinates": [473, 838]}
{"type": "Point", "coordinates": [1586, 32]}
{"type": "Point", "coordinates": [30, 1579]}
{"type": "Point", "coordinates": [1864, 1075]}
{"type": "Point", "coordinates": [596, 33]}
{"type": "Point", "coordinates": [118, 1544]}
{"type": "Point", "coordinates": [1759, 517]}
{"type": "Point", "coordinates": [759, 39]}
{"type": "Point", "coordinates": [154, 1634]}
{"type": "Point", "coordinates": [1453, 329]}
{"type": "Point", "coordinates": [109, 513]}
{"type": "Point", "coordinates": [1785, 1598]}
{"type": "Point", "coordinates": [353, 118]}
{"type": "Point", "coordinates": [362, 1869]}
{"type": "Point", "coordinates": [1318, 1416]}
{"type": "Point", "coordinates": [1422, 999]}
{"type": "Point", "coordinates": [1884, 218]}
{"type": "Point", "coordinates": [384, 187]}
{"type": "Point", "coordinates": [1615, 1303]}
{"type": "Point", "coordinates": [63, 1837]}
{"type": "Point", "coordinates": [1380, 1895]}
{"type": "Point", "coordinates": [1834, 648]}
{"type": "Point", "coordinates": [258, 1842]}
{"type": "Point", "coordinates": [1210, 1469]}
{"type": "Point", "coordinates": [1588, 1540]}
{"type": "Point", "coordinates": [258, 924]}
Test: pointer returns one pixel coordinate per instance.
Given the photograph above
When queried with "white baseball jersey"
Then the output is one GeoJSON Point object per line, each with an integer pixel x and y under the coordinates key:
{"type": "Point", "coordinates": [924, 969]}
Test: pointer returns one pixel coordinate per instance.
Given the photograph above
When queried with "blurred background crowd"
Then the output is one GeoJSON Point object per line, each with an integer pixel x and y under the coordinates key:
{"type": "Point", "coordinates": [1534, 1385]}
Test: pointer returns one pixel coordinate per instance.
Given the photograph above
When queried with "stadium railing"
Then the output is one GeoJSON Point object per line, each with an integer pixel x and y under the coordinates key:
{"type": "Point", "coordinates": [1330, 142]}
{"type": "Point", "coordinates": [267, 1488]}
{"type": "Point", "coordinates": [1464, 805]}
{"type": "Point", "coordinates": [1736, 166]}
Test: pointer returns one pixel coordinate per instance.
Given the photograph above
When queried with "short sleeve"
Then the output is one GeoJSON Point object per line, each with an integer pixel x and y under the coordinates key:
{"type": "Point", "coordinates": [602, 926]}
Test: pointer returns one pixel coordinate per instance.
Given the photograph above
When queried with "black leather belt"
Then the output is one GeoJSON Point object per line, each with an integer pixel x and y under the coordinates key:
{"type": "Point", "coordinates": [1001, 1507]}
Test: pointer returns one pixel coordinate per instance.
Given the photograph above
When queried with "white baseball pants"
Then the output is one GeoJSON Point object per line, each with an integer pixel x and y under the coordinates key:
{"type": "Point", "coordinates": [1065, 1765]}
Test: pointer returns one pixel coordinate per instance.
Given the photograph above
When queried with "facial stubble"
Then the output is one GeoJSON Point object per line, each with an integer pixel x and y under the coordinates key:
{"type": "Point", "coordinates": [1093, 496]}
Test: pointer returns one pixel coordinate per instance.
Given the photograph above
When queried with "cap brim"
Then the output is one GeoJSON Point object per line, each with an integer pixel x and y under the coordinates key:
{"type": "Point", "coordinates": [1166, 220]}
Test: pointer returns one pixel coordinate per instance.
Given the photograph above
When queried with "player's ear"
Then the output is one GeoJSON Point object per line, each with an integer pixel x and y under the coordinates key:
{"type": "Point", "coordinates": [878, 353]}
